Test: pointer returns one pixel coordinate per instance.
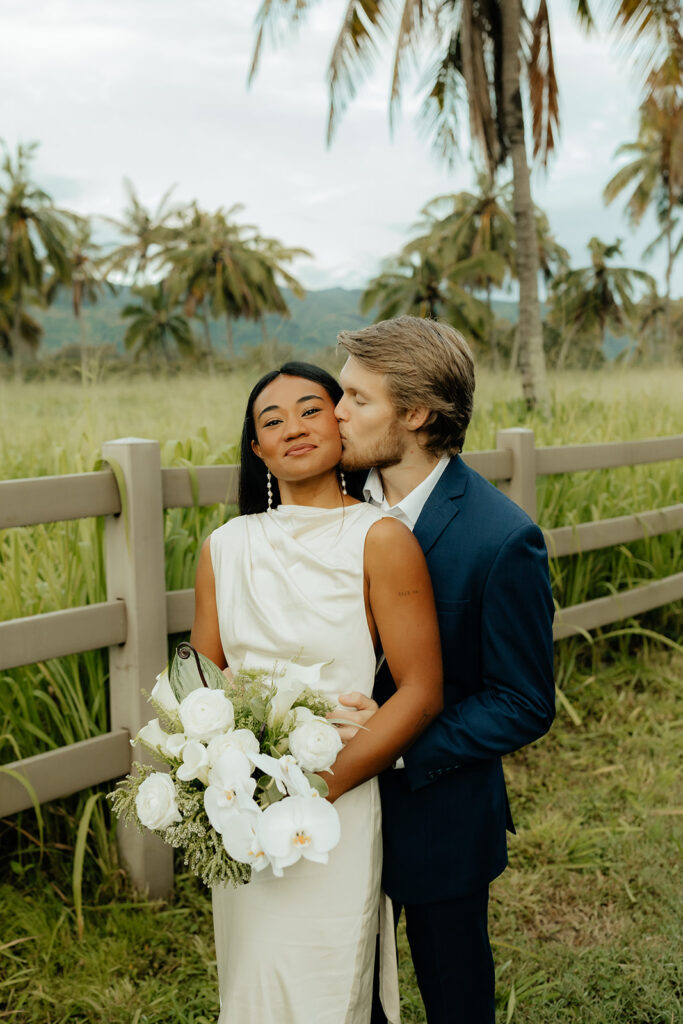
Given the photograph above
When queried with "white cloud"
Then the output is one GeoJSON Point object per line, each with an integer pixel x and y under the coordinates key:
{"type": "Point", "coordinates": [155, 90]}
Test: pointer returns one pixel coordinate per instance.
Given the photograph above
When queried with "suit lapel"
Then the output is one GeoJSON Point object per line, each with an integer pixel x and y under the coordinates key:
{"type": "Point", "coordinates": [442, 505]}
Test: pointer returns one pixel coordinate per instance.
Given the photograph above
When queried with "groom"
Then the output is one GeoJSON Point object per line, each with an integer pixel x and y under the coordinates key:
{"type": "Point", "coordinates": [408, 389]}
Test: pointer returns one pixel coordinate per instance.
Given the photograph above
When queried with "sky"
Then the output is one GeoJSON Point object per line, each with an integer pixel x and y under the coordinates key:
{"type": "Point", "coordinates": [155, 90]}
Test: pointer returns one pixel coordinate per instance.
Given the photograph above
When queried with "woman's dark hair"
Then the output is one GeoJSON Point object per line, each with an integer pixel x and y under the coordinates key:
{"type": "Point", "coordinates": [253, 496]}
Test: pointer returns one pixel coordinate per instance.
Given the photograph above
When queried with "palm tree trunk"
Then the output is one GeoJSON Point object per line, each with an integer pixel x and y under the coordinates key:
{"type": "Point", "coordinates": [207, 342]}
{"type": "Point", "coordinates": [230, 339]}
{"type": "Point", "coordinates": [532, 357]}
{"type": "Point", "coordinates": [668, 328]}
{"type": "Point", "coordinates": [20, 350]}
{"type": "Point", "coordinates": [495, 357]}
{"type": "Point", "coordinates": [82, 346]}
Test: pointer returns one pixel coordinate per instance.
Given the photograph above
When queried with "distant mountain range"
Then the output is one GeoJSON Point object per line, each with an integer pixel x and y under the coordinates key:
{"type": "Point", "coordinates": [314, 324]}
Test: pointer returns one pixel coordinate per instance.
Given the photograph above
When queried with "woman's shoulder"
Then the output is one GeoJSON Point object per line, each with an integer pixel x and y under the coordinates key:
{"type": "Point", "coordinates": [228, 532]}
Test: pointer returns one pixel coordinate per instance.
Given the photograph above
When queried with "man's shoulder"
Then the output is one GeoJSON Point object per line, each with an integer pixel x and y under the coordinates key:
{"type": "Point", "coordinates": [481, 500]}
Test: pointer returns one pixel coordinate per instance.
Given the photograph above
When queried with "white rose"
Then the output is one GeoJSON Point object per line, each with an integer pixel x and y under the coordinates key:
{"type": "Point", "coordinates": [195, 762]}
{"type": "Point", "coordinates": [155, 802]}
{"type": "Point", "coordinates": [163, 694]}
{"type": "Point", "coordinates": [206, 713]}
{"type": "Point", "coordinates": [315, 744]}
{"type": "Point", "coordinates": [236, 739]}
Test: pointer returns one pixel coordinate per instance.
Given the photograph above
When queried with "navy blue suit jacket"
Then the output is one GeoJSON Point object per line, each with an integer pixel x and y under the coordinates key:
{"type": "Point", "coordinates": [445, 814]}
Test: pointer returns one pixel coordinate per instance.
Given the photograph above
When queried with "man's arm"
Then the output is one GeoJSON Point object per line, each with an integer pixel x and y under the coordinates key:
{"type": "Point", "coordinates": [517, 702]}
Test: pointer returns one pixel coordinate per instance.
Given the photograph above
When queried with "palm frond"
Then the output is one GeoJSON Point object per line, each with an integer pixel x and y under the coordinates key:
{"type": "Point", "coordinates": [543, 87]}
{"type": "Point", "coordinates": [363, 24]}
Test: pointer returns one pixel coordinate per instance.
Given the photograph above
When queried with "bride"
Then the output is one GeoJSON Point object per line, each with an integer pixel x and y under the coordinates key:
{"type": "Point", "coordinates": [309, 573]}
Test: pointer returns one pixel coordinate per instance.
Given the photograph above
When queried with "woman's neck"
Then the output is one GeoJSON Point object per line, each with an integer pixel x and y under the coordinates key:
{"type": "Point", "coordinates": [317, 492]}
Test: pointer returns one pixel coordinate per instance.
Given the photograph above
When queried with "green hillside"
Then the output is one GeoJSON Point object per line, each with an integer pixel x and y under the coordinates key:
{"type": "Point", "coordinates": [314, 323]}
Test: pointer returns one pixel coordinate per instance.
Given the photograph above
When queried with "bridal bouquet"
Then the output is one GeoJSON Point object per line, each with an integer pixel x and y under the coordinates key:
{"type": "Point", "coordinates": [242, 789]}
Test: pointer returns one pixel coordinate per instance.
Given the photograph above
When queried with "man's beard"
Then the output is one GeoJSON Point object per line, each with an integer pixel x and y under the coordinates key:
{"type": "Point", "coordinates": [386, 451]}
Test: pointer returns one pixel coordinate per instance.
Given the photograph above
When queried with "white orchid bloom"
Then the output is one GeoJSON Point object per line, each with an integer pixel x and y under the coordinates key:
{"type": "Point", "coordinates": [152, 735]}
{"type": "Point", "coordinates": [163, 694]}
{"type": "Point", "coordinates": [240, 739]}
{"type": "Point", "coordinates": [296, 782]}
{"type": "Point", "coordinates": [271, 766]}
{"type": "Point", "coordinates": [206, 713]}
{"type": "Point", "coordinates": [231, 786]}
{"type": "Point", "coordinates": [195, 762]}
{"type": "Point", "coordinates": [241, 841]}
{"type": "Point", "coordinates": [297, 827]}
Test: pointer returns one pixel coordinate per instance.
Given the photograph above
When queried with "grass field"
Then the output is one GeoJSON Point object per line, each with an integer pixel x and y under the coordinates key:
{"type": "Point", "coordinates": [585, 922]}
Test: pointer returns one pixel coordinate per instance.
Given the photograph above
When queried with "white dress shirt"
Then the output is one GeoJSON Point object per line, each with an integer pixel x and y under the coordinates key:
{"type": "Point", "coordinates": [407, 510]}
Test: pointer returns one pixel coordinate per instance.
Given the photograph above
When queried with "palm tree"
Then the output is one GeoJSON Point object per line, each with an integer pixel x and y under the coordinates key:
{"type": "Point", "coordinates": [655, 174]}
{"type": "Point", "coordinates": [155, 324]}
{"type": "Point", "coordinates": [33, 234]}
{"type": "Point", "coordinates": [479, 46]}
{"type": "Point", "coordinates": [586, 301]}
{"type": "Point", "coordinates": [471, 224]}
{"type": "Point", "coordinates": [87, 279]}
{"type": "Point", "coordinates": [425, 279]}
{"type": "Point", "coordinates": [146, 230]}
{"type": "Point", "coordinates": [240, 274]}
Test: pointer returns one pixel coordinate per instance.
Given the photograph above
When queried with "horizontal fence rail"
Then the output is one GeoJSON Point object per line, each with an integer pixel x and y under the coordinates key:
{"type": "Point", "coordinates": [55, 634]}
{"type": "Point", "coordinates": [605, 533]}
{"type": "Point", "coordinates": [50, 499]}
{"type": "Point", "coordinates": [139, 614]}
{"type": "Point", "coordinates": [604, 611]}
{"type": "Point", "coordinates": [607, 455]}
{"type": "Point", "coordinates": [64, 771]}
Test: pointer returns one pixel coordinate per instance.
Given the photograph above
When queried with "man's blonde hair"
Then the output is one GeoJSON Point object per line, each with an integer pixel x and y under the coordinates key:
{"type": "Point", "coordinates": [426, 363]}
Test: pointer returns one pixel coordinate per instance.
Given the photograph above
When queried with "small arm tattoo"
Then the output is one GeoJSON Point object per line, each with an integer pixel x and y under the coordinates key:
{"type": "Point", "coordinates": [407, 593]}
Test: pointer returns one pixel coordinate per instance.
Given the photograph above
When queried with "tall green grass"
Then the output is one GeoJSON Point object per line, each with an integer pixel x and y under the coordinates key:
{"type": "Point", "coordinates": [58, 427]}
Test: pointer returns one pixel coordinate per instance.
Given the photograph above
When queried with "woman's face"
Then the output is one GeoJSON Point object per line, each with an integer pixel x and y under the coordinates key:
{"type": "Point", "coordinates": [297, 434]}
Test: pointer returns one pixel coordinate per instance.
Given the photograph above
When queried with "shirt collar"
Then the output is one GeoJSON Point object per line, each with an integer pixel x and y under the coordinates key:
{"type": "Point", "coordinates": [410, 507]}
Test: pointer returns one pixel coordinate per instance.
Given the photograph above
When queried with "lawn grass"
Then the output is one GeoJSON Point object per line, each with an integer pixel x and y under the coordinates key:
{"type": "Point", "coordinates": [585, 922]}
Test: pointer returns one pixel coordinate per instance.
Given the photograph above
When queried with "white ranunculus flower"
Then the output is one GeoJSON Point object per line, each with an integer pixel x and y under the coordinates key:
{"type": "Point", "coordinates": [241, 842]}
{"type": "Point", "coordinates": [152, 735]}
{"type": "Point", "coordinates": [239, 739]}
{"type": "Point", "coordinates": [315, 744]}
{"type": "Point", "coordinates": [297, 827]}
{"type": "Point", "coordinates": [206, 713]}
{"type": "Point", "coordinates": [155, 802]}
{"type": "Point", "coordinates": [163, 693]}
{"type": "Point", "coordinates": [195, 762]}
{"type": "Point", "coordinates": [231, 787]}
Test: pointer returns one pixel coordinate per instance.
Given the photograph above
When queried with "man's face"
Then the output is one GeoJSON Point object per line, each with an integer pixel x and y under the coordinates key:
{"type": "Point", "coordinates": [371, 432]}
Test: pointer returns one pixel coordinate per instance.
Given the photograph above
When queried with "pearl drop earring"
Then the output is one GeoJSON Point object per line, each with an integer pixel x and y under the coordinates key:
{"type": "Point", "coordinates": [342, 480]}
{"type": "Point", "coordinates": [269, 487]}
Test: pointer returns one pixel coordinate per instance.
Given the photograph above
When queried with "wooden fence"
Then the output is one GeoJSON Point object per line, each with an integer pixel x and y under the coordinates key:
{"type": "Point", "coordinates": [139, 613]}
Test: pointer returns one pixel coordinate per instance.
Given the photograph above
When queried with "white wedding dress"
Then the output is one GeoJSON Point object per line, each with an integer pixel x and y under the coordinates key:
{"type": "Point", "coordinates": [300, 949]}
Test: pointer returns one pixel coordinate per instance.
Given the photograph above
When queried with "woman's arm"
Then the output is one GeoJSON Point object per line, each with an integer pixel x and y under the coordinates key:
{"type": "Point", "coordinates": [205, 636]}
{"type": "Point", "coordinates": [402, 607]}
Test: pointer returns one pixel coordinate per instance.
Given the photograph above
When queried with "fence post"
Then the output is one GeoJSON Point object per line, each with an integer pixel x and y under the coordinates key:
{"type": "Point", "coordinates": [134, 545]}
{"type": "Point", "coordinates": [521, 488]}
